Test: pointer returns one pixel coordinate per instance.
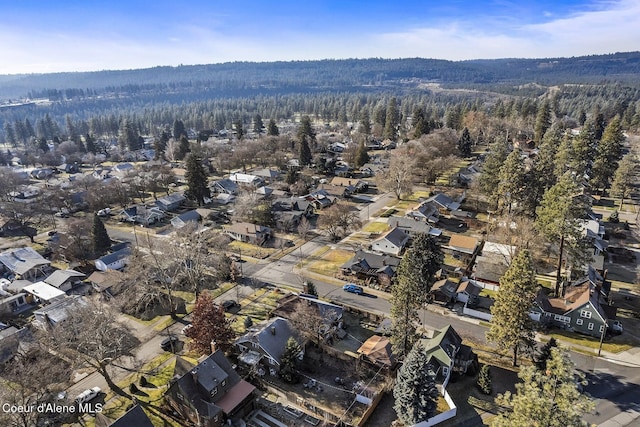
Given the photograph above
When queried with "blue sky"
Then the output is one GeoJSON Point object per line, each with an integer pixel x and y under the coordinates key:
{"type": "Point", "coordinates": [69, 35]}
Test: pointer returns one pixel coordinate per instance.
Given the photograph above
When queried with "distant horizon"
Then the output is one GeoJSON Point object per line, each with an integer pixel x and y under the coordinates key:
{"type": "Point", "coordinates": [320, 60]}
{"type": "Point", "coordinates": [66, 36]}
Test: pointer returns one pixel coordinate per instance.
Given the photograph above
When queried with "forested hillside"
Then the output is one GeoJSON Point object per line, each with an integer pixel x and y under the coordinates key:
{"type": "Point", "coordinates": [218, 96]}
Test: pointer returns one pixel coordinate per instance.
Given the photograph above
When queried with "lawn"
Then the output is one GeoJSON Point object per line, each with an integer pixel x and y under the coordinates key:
{"type": "Point", "coordinates": [330, 262]}
{"type": "Point", "coordinates": [251, 250]}
{"type": "Point", "coordinates": [614, 346]}
{"type": "Point", "coordinates": [375, 227]}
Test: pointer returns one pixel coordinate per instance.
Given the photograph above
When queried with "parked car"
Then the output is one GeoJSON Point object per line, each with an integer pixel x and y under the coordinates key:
{"type": "Point", "coordinates": [186, 328]}
{"type": "Point", "coordinates": [230, 304]}
{"type": "Point", "coordinates": [169, 343]}
{"type": "Point", "coordinates": [353, 288]}
{"type": "Point", "coordinates": [88, 394]}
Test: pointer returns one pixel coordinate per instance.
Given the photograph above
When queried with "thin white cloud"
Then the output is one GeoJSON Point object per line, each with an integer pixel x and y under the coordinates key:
{"type": "Point", "coordinates": [606, 27]}
{"type": "Point", "coordinates": [602, 27]}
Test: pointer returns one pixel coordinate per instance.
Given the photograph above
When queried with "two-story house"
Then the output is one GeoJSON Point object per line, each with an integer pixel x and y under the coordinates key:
{"type": "Point", "coordinates": [392, 243]}
{"type": "Point", "coordinates": [446, 354]}
{"type": "Point", "coordinates": [209, 393]}
{"type": "Point", "coordinates": [263, 346]}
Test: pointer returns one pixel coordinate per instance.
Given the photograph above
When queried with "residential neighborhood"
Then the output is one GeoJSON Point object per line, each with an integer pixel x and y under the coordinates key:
{"type": "Point", "coordinates": [322, 271]}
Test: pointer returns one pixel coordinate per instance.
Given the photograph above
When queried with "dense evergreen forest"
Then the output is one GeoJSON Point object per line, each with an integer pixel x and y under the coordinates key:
{"type": "Point", "coordinates": [220, 95]}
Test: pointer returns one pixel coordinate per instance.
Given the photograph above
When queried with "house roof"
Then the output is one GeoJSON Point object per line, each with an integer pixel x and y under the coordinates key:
{"type": "Point", "coordinates": [209, 373]}
{"type": "Point", "coordinates": [227, 185]}
{"type": "Point", "coordinates": [427, 210]}
{"type": "Point", "coordinates": [463, 243]}
{"type": "Point", "coordinates": [244, 178]}
{"type": "Point", "coordinates": [411, 225]}
{"type": "Point", "coordinates": [246, 228]}
{"type": "Point", "coordinates": [133, 417]}
{"type": "Point", "coordinates": [21, 260]}
{"type": "Point", "coordinates": [115, 256]}
{"type": "Point", "coordinates": [486, 269]}
{"type": "Point", "coordinates": [17, 285]}
{"type": "Point", "coordinates": [58, 311]}
{"type": "Point", "coordinates": [371, 262]}
{"type": "Point", "coordinates": [445, 286]}
{"type": "Point", "coordinates": [171, 199]}
{"type": "Point", "coordinates": [236, 395]}
{"type": "Point", "coordinates": [469, 287]}
{"type": "Point", "coordinates": [445, 201]}
{"type": "Point", "coordinates": [378, 349]}
{"type": "Point", "coordinates": [106, 279]}
{"type": "Point", "coordinates": [442, 346]}
{"type": "Point", "coordinates": [272, 336]}
{"type": "Point", "coordinates": [44, 291]}
{"type": "Point", "coordinates": [395, 236]}
{"type": "Point", "coordinates": [59, 277]}
{"type": "Point", "coordinates": [193, 215]}
{"type": "Point", "coordinates": [267, 173]}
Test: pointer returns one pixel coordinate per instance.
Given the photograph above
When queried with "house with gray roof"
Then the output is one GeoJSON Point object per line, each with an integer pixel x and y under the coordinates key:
{"type": "Point", "coordinates": [446, 354]}
{"type": "Point", "coordinates": [113, 261]}
{"type": "Point", "coordinates": [210, 393]}
{"type": "Point", "coordinates": [182, 220]}
{"type": "Point", "coordinates": [24, 263]}
{"type": "Point", "coordinates": [392, 243]}
{"type": "Point", "coordinates": [413, 227]}
{"type": "Point", "coordinates": [134, 417]}
{"type": "Point", "coordinates": [57, 312]}
{"type": "Point", "coordinates": [225, 186]}
{"type": "Point", "coordinates": [425, 211]}
{"type": "Point", "coordinates": [64, 279]}
{"type": "Point", "coordinates": [263, 346]}
{"type": "Point", "coordinates": [371, 266]}
{"type": "Point", "coordinates": [171, 202]}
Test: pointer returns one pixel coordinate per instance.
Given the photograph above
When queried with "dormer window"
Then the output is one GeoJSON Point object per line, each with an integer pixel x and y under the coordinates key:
{"type": "Point", "coordinates": [224, 383]}
{"type": "Point", "coordinates": [214, 391]}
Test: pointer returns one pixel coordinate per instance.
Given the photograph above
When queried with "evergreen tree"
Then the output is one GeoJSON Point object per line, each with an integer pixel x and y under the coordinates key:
{"type": "Point", "coordinates": [239, 129]}
{"type": "Point", "coordinates": [392, 120]}
{"type": "Point", "coordinates": [128, 136]}
{"type": "Point", "coordinates": [512, 181]}
{"type": "Point", "coordinates": [624, 178]}
{"type": "Point", "coordinates": [490, 178]}
{"type": "Point", "coordinates": [511, 327]}
{"type": "Point", "coordinates": [100, 237]}
{"type": "Point", "coordinates": [414, 279]}
{"type": "Point", "coordinates": [546, 398]}
{"type": "Point", "coordinates": [178, 129]}
{"type": "Point", "coordinates": [272, 128]}
{"type": "Point", "coordinates": [558, 216]}
{"type": "Point", "coordinates": [420, 123]}
{"type": "Point", "coordinates": [310, 288]}
{"type": "Point", "coordinates": [608, 153]}
{"type": "Point", "coordinates": [583, 149]}
{"type": "Point", "coordinates": [42, 145]}
{"type": "Point", "coordinates": [209, 324]}
{"type": "Point", "coordinates": [484, 380]}
{"type": "Point", "coordinates": [306, 132]}
{"type": "Point", "coordinates": [365, 123]}
{"type": "Point", "coordinates": [90, 144]}
{"type": "Point", "coordinates": [289, 361]}
{"type": "Point", "coordinates": [415, 392]}
{"type": "Point", "coordinates": [543, 122]}
{"type": "Point", "coordinates": [257, 124]}
{"type": "Point", "coordinates": [362, 155]}
{"type": "Point", "coordinates": [9, 134]}
{"type": "Point", "coordinates": [545, 354]}
{"type": "Point", "coordinates": [183, 148]}
{"type": "Point", "coordinates": [564, 157]}
{"type": "Point", "coordinates": [464, 143]}
{"type": "Point", "coordinates": [196, 176]}
{"type": "Point", "coordinates": [305, 151]}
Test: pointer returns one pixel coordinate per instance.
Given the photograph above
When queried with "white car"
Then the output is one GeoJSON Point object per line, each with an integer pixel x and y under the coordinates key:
{"type": "Point", "coordinates": [88, 394]}
{"type": "Point", "coordinates": [616, 327]}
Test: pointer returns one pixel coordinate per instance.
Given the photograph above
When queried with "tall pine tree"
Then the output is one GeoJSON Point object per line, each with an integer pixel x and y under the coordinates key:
{"type": "Point", "coordinates": [415, 391]}
{"type": "Point", "coordinates": [549, 397]}
{"type": "Point", "coordinates": [196, 176]}
{"type": "Point", "coordinates": [100, 237]}
{"type": "Point", "coordinates": [511, 327]}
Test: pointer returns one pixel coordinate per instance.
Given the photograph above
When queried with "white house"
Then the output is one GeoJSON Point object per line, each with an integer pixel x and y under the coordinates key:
{"type": "Point", "coordinates": [391, 243]}
{"type": "Point", "coordinates": [113, 261]}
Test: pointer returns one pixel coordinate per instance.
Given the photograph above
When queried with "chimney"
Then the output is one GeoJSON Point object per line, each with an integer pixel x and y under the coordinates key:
{"type": "Point", "coordinates": [213, 346]}
{"type": "Point", "coordinates": [273, 330]}
{"type": "Point", "coordinates": [194, 374]}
